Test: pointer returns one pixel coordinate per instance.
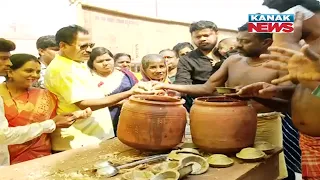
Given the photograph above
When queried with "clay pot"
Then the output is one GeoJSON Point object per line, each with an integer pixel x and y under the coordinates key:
{"type": "Point", "coordinates": [222, 125]}
{"type": "Point", "coordinates": [152, 123]}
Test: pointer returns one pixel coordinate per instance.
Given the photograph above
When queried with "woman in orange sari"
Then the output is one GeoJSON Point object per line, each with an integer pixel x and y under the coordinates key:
{"type": "Point", "coordinates": [24, 105]}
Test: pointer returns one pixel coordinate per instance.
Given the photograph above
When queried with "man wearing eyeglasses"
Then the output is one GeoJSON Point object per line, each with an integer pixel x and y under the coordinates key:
{"type": "Point", "coordinates": [22, 134]}
{"type": "Point", "coordinates": [68, 77]}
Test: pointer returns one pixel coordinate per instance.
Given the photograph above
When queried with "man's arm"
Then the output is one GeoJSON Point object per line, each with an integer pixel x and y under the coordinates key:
{"type": "Point", "coordinates": [268, 95]}
{"type": "Point", "coordinates": [107, 101]}
{"type": "Point", "coordinates": [76, 91]}
{"type": "Point", "coordinates": [277, 104]}
{"type": "Point", "coordinates": [217, 79]}
{"type": "Point", "coordinates": [285, 89]}
{"type": "Point", "coordinates": [183, 75]}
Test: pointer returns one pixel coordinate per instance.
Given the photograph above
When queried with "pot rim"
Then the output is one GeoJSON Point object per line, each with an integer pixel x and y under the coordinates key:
{"type": "Point", "coordinates": [233, 102]}
{"type": "Point", "coordinates": [136, 98]}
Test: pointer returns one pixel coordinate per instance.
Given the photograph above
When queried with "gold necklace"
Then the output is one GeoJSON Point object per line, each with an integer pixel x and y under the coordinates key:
{"type": "Point", "coordinates": [27, 106]}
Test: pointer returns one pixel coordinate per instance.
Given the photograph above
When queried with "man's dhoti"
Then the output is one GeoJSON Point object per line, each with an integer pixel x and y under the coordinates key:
{"type": "Point", "coordinates": [270, 130]}
{"type": "Point", "coordinates": [310, 157]}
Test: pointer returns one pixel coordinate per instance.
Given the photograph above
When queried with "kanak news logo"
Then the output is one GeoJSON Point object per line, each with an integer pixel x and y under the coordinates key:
{"type": "Point", "coordinates": [271, 23]}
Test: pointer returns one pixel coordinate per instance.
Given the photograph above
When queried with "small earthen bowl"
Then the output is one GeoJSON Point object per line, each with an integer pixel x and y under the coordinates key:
{"type": "Point", "coordinates": [174, 156]}
{"type": "Point", "coordinates": [264, 146]}
{"type": "Point", "coordinates": [167, 175]}
{"type": "Point", "coordinates": [199, 164]}
{"type": "Point", "coordinates": [225, 90]}
{"type": "Point", "coordinates": [220, 161]}
{"type": "Point", "coordinates": [185, 171]}
{"type": "Point", "coordinates": [251, 154]}
{"type": "Point", "coordinates": [188, 151]}
{"type": "Point", "coordinates": [167, 165]}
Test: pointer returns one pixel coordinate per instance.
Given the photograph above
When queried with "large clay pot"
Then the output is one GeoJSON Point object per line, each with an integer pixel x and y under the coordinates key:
{"type": "Point", "coordinates": [222, 125]}
{"type": "Point", "coordinates": [152, 123]}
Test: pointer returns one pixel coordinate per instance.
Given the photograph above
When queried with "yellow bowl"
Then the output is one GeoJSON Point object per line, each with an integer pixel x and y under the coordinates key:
{"type": "Point", "coordinates": [225, 90]}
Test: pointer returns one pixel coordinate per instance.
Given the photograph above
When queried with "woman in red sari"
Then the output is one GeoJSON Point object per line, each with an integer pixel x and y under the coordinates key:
{"type": "Point", "coordinates": [25, 105]}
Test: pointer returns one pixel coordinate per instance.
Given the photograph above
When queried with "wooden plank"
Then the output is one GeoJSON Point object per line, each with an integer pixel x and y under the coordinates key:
{"type": "Point", "coordinates": [76, 159]}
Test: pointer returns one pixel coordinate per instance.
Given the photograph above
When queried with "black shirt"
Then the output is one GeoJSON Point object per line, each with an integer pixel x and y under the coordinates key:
{"type": "Point", "coordinates": [195, 68]}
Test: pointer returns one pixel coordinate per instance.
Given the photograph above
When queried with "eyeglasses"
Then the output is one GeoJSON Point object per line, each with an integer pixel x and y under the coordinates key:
{"type": "Point", "coordinates": [85, 46]}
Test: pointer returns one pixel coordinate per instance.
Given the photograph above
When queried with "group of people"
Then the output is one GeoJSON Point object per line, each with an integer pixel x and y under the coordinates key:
{"type": "Point", "coordinates": [279, 73]}
{"type": "Point", "coordinates": [71, 96]}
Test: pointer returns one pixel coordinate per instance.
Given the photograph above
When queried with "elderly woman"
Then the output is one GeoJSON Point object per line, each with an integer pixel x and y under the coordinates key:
{"type": "Point", "coordinates": [154, 68]}
{"type": "Point", "coordinates": [24, 105]}
{"type": "Point", "coordinates": [109, 79]}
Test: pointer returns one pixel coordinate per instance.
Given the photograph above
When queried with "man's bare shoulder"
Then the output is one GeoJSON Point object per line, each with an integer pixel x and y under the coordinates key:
{"type": "Point", "coordinates": [234, 58]}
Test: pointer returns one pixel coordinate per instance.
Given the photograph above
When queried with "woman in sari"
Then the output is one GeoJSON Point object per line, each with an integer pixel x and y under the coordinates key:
{"type": "Point", "coordinates": [24, 105]}
{"type": "Point", "coordinates": [110, 79]}
{"type": "Point", "coordinates": [154, 68]}
{"type": "Point", "coordinates": [123, 60]}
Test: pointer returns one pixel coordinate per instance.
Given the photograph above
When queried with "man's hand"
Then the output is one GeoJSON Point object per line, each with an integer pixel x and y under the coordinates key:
{"type": "Point", "coordinates": [82, 114]}
{"type": "Point", "coordinates": [237, 88]}
{"type": "Point", "coordinates": [290, 40]}
{"type": "Point", "coordinates": [302, 66]}
{"type": "Point", "coordinates": [260, 89]}
{"type": "Point", "coordinates": [122, 102]}
{"type": "Point", "coordinates": [141, 88]}
{"type": "Point", "coordinates": [64, 120]}
{"type": "Point", "coordinates": [158, 85]}
{"type": "Point", "coordinates": [146, 88]}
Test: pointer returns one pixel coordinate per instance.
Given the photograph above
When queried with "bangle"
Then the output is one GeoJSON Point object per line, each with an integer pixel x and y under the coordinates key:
{"type": "Point", "coordinates": [316, 92]}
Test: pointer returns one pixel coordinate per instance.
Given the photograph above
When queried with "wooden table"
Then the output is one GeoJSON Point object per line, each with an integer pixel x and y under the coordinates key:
{"type": "Point", "coordinates": [73, 160]}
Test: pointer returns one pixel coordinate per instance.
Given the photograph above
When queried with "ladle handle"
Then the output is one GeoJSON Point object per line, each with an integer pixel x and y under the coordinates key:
{"type": "Point", "coordinates": [146, 160]}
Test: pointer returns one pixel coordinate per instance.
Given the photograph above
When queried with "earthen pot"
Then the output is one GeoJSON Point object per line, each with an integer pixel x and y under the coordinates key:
{"type": "Point", "coordinates": [151, 122]}
{"type": "Point", "coordinates": [222, 125]}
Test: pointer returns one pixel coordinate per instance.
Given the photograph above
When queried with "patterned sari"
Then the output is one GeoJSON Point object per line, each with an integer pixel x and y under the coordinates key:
{"type": "Point", "coordinates": [36, 105]}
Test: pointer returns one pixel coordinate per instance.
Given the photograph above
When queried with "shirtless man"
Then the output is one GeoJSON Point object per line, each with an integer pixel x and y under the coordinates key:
{"type": "Point", "coordinates": [240, 71]}
{"type": "Point", "coordinates": [304, 105]}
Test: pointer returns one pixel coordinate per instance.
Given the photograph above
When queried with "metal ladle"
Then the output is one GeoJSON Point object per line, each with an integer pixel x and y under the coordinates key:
{"type": "Point", "coordinates": [108, 170]}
